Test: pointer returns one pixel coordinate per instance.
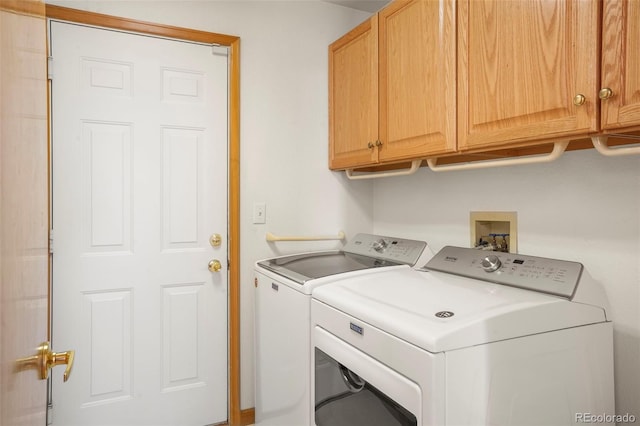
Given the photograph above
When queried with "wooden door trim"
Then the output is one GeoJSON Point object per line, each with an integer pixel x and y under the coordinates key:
{"type": "Point", "coordinates": [233, 42]}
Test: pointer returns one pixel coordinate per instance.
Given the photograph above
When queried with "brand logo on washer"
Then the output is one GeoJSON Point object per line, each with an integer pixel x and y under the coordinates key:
{"type": "Point", "coordinates": [356, 328]}
{"type": "Point", "coordinates": [444, 314]}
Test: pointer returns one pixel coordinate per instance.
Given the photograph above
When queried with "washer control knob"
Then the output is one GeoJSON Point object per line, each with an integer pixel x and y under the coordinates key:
{"type": "Point", "coordinates": [380, 245]}
{"type": "Point", "coordinates": [491, 263]}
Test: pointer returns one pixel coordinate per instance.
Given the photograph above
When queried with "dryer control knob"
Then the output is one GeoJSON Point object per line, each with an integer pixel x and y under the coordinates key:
{"type": "Point", "coordinates": [380, 245]}
{"type": "Point", "coordinates": [491, 263]}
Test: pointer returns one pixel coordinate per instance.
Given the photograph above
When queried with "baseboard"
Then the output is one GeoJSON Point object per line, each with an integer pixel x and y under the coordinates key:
{"type": "Point", "coordinates": [247, 417]}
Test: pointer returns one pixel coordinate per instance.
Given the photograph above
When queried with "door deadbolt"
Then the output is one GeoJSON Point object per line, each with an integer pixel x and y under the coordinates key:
{"type": "Point", "coordinates": [215, 240]}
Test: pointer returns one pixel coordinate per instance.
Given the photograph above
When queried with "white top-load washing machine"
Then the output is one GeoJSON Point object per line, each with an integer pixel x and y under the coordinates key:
{"type": "Point", "coordinates": [475, 339]}
{"type": "Point", "coordinates": [282, 316]}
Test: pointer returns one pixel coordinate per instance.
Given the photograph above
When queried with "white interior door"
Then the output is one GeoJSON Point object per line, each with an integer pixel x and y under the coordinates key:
{"type": "Point", "coordinates": [139, 152]}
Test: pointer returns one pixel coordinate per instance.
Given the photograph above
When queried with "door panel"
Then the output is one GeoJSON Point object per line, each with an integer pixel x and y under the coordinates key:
{"type": "Point", "coordinates": [139, 185]}
{"type": "Point", "coordinates": [24, 253]}
{"type": "Point", "coordinates": [621, 63]}
{"type": "Point", "coordinates": [417, 79]}
{"type": "Point", "coordinates": [521, 64]}
{"type": "Point", "coordinates": [353, 97]}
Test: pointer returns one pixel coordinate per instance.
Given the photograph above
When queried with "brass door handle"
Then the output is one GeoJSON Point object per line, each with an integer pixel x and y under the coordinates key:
{"type": "Point", "coordinates": [45, 359]}
{"type": "Point", "coordinates": [215, 265]}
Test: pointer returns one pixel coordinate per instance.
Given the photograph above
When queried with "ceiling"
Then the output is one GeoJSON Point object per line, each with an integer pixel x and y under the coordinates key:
{"type": "Point", "coordinates": [364, 5]}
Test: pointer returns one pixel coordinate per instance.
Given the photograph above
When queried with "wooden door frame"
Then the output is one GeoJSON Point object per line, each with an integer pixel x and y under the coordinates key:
{"type": "Point", "coordinates": [236, 417]}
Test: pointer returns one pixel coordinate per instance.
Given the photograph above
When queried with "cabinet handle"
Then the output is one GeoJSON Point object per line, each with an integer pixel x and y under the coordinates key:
{"type": "Point", "coordinates": [370, 145]}
{"type": "Point", "coordinates": [378, 143]}
{"type": "Point", "coordinates": [579, 99]}
{"type": "Point", "coordinates": [605, 93]}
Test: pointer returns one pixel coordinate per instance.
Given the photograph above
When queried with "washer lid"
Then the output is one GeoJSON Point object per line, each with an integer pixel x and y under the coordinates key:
{"type": "Point", "coordinates": [364, 251]}
{"type": "Point", "coordinates": [440, 312]}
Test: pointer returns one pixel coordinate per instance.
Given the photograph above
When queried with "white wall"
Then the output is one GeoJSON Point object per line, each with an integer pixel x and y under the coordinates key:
{"type": "Point", "coordinates": [584, 207]}
{"type": "Point", "coordinates": [284, 125]}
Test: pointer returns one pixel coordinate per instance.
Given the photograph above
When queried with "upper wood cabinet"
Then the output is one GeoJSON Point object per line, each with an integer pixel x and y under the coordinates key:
{"type": "Point", "coordinates": [425, 79]}
{"type": "Point", "coordinates": [527, 71]}
{"type": "Point", "coordinates": [620, 87]}
{"type": "Point", "coordinates": [417, 78]}
{"type": "Point", "coordinates": [353, 97]}
{"type": "Point", "coordinates": [392, 86]}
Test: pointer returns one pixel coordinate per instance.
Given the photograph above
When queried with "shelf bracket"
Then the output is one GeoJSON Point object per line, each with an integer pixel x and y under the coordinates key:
{"type": "Point", "coordinates": [558, 150]}
{"type": "Point", "coordinates": [600, 144]}
{"type": "Point", "coordinates": [415, 165]}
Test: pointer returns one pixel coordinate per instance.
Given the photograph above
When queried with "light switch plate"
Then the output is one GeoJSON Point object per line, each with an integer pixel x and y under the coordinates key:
{"type": "Point", "coordinates": [259, 213]}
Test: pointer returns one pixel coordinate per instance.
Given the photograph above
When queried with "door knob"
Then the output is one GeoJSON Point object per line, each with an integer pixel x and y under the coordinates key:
{"type": "Point", "coordinates": [215, 265]}
{"type": "Point", "coordinates": [579, 99]}
{"type": "Point", "coordinates": [45, 359]}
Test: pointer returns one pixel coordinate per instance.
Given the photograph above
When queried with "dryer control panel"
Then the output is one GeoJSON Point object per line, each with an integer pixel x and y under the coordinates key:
{"type": "Point", "coordinates": [553, 276]}
{"type": "Point", "coordinates": [394, 249]}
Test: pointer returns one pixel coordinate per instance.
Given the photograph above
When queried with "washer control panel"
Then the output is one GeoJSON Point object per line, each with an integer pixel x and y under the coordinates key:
{"type": "Point", "coordinates": [559, 277]}
{"type": "Point", "coordinates": [393, 249]}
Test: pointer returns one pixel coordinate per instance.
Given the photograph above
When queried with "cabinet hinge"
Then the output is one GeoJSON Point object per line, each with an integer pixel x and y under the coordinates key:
{"type": "Point", "coordinates": [51, 241]}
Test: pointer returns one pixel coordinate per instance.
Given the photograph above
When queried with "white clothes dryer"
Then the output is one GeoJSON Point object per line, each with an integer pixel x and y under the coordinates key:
{"type": "Point", "coordinates": [283, 310]}
{"type": "Point", "coordinates": [476, 339]}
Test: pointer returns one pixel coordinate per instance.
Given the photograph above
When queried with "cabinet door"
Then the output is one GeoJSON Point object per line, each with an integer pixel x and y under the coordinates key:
{"type": "Point", "coordinates": [621, 64]}
{"type": "Point", "coordinates": [417, 79]}
{"type": "Point", "coordinates": [353, 97]}
{"type": "Point", "coordinates": [521, 64]}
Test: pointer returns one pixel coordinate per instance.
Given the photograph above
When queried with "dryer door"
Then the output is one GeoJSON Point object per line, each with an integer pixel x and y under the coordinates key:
{"type": "Point", "coordinates": [354, 389]}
